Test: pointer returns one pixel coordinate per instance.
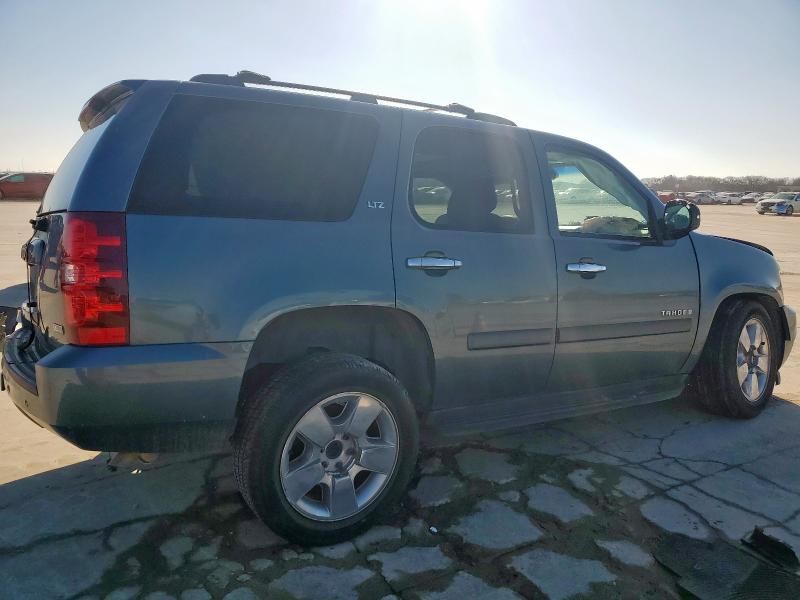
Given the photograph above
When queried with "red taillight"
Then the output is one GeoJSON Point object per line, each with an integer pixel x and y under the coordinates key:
{"type": "Point", "coordinates": [94, 279]}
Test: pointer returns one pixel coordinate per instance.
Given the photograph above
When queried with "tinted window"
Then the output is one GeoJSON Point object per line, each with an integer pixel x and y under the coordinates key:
{"type": "Point", "coordinates": [469, 180]}
{"type": "Point", "coordinates": [225, 158]}
{"type": "Point", "coordinates": [592, 199]}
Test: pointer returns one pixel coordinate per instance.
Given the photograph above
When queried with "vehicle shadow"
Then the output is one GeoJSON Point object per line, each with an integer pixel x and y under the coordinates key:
{"type": "Point", "coordinates": [14, 295]}
{"type": "Point", "coordinates": [62, 529]}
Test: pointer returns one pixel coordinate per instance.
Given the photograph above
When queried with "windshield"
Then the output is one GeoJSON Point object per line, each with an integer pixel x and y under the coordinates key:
{"type": "Point", "coordinates": [783, 196]}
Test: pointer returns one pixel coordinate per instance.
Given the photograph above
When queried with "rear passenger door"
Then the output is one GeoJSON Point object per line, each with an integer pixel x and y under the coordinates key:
{"type": "Point", "coordinates": [472, 257]}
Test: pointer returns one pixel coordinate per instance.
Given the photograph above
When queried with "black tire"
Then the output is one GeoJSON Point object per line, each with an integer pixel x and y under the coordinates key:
{"type": "Point", "coordinates": [714, 383]}
{"type": "Point", "coordinates": [789, 211]}
{"type": "Point", "coordinates": [268, 417]}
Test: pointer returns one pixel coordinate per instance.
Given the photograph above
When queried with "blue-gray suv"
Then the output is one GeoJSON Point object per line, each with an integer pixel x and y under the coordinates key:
{"type": "Point", "coordinates": [310, 275]}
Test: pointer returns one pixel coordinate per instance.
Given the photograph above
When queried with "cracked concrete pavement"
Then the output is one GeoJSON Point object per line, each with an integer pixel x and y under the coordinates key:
{"type": "Point", "coordinates": [513, 519]}
{"type": "Point", "coordinates": [568, 509]}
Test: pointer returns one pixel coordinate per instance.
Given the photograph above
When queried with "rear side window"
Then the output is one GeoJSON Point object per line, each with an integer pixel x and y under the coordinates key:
{"type": "Point", "coordinates": [231, 158]}
{"type": "Point", "coordinates": [470, 181]}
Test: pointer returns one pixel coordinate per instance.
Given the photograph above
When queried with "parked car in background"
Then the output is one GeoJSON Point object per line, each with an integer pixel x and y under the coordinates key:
{"type": "Point", "coordinates": [700, 198]}
{"type": "Point", "coordinates": [268, 269]}
{"type": "Point", "coordinates": [751, 197]}
{"type": "Point", "coordinates": [782, 203]}
{"type": "Point", "coordinates": [729, 198]}
{"type": "Point", "coordinates": [24, 185]}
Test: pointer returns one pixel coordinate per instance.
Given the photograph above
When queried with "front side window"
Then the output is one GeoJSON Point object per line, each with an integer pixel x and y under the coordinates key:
{"type": "Point", "coordinates": [592, 199]}
{"type": "Point", "coordinates": [470, 181]}
{"type": "Point", "coordinates": [16, 179]}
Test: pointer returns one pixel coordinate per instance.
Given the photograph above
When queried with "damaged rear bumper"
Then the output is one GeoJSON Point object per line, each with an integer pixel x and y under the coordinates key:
{"type": "Point", "coordinates": [159, 398]}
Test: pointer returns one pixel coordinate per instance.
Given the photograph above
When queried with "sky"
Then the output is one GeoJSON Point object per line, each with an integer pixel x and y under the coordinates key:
{"type": "Point", "coordinates": [668, 87]}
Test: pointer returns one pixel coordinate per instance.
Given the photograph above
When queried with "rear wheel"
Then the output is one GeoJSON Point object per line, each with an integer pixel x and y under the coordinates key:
{"type": "Point", "coordinates": [325, 447]}
{"type": "Point", "coordinates": [736, 374]}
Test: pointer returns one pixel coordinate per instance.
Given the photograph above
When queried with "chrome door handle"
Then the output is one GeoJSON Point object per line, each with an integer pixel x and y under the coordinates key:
{"type": "Point", "coordinates": [433, 263]}
{"type": "Point", "coordinates": [585, 267]}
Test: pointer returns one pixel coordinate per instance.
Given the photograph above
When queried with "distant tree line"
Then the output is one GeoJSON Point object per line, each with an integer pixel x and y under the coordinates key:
{"type": "Point", "coordinates": [694, 183]}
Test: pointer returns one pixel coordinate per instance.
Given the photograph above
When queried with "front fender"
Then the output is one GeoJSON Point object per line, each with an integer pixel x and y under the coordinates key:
{"type": "Point", "coordinates": [729, 268]}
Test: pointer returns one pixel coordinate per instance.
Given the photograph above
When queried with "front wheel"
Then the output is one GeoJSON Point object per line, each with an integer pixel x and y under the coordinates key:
{"type": "Point", "coordinates": [737, 372]}
{"type": "Point", "coordinates": [325, 447]}
{"type": "Point", "coordinates": [789, 211]}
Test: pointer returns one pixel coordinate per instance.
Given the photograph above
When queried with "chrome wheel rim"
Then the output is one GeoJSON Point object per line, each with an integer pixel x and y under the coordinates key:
{"type": "Point", "coordinates": [752, 359]}
{"type": "Point", "coordinates": [339, 456]}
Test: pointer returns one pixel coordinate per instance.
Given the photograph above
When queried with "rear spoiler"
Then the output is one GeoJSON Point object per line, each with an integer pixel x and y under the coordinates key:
{"type": "Point", "coordinates": [107, 102]}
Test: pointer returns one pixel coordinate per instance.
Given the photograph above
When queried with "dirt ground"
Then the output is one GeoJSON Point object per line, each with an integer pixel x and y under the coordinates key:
{"type": "Point", "coordinates": [575, 508]}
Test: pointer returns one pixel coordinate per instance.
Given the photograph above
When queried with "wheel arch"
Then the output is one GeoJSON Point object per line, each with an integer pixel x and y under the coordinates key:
{"type": "Point", "coordinates": [768, 301]}
{"type": "Point", "coordinates": [389, 337]}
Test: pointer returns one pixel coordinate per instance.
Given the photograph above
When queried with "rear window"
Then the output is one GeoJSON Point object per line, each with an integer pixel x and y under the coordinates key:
{"type": "Point", "coordinates": [230, 158]}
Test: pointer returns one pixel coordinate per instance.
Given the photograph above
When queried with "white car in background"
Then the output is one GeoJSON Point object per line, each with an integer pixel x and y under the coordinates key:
{"type": "Point", "coordinates": [710, 195]}
{"type": "Point", "coordinates": [729, 198]}
{"type": "Point", "coordinates": [700, 198]}
{"type": "Point", "coordinates": [782, 203]}
{"type": "Point", "coordinates": [719, 197]}
{"type": "Point", "coordinates": [752, 197]}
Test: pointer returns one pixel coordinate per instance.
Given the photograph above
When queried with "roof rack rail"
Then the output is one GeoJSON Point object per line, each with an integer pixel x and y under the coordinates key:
{"type": "Point", "coordinates": [252, 78]}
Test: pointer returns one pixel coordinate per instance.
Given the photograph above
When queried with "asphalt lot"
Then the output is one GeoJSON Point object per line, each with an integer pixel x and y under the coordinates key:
{"type": "Point", "coordinates": [577, 507]}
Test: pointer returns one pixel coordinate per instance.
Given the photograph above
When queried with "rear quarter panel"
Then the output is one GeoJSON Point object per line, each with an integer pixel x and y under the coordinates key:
{"type": "Point", "coordinates": [106, 180]}
{"type": "Point", "coordinates": [206, 279]}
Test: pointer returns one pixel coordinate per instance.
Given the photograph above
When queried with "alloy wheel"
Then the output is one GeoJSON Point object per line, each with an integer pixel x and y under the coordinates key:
{"type": "Point", "coordinates": [339, 456]}
{"type": "Point", "coordinates": [752, 359]}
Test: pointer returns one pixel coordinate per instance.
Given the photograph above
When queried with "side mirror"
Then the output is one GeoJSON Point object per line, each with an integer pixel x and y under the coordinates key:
{"type": "Point", "coordinates": [680, 217]}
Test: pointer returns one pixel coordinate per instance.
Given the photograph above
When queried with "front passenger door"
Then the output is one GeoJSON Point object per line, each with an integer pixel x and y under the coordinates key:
{"type": "Point", "coordinates": [627, 302]}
